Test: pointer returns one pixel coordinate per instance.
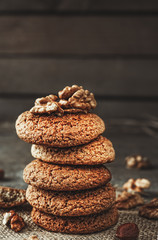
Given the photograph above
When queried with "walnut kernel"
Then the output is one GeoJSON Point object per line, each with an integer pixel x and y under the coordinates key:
{"type": "Point", "coordinates": [47, 105]}
{"type": "Point", "coordinates": [75, 97]}
{"type": "Point", "coordinates": [16, 222]}
{"type": "Point", "coordinates": [138, 161]}
{"type": "Point", "coordinates": [128, 200]}
{"type": "Point", "coordinates": [137, 185]}
{"type": "Point", "coordinates": [72, 99]}
{"type": "Point", "coordinates": [150, 210]}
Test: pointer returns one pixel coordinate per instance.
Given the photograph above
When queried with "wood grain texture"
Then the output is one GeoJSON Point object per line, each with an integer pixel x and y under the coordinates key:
{"type": "Point", "coordinates": [11, 108]}
{"type": "Point", "coordinates": [78, 5]}
{"type": "Point", "coordinates": [79, 35]}
{"type": "Point", "coordinates": [128, 77]}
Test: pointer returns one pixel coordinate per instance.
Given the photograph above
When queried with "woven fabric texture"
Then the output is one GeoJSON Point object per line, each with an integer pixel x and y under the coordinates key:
{"type": "Point", "coordinates": [148, 228]}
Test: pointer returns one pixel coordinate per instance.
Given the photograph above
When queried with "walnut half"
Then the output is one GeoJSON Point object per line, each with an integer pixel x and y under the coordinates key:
{"type": "Point", "coordinates": [47, 105]}
{"type": "Point", "coordinates": [150, 210]}
{"type": "Point", "coordinates": [16, 222]}
{"type": "Point", "coordinates": [137, 185]}
{"type": "Point", "coordinates": [72, 99]}
{"type": "Point", "coordinates": [138, 161]}
{"type": "Point", "coordinates": [128, 200]}
{"type": "Point", "coordinates": [76, 99]}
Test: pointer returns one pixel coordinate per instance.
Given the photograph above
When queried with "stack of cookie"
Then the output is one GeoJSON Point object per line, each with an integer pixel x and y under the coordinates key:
{"type": "Point", "coordinates": [69, 186]}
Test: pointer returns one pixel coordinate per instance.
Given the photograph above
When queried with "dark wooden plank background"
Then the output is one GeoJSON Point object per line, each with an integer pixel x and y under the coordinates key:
{"type": "Point", "coordinates": [108, 47]}
{"type": "Point", "coordinates": [79, 35]}
{"type": "Point", "coordinates": [88, 6]}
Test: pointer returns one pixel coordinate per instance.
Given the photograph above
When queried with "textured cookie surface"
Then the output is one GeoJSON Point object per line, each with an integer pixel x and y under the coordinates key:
{"type": "Point", "coordinates": [66, 131]}
{"type": "Point", "coordinates": [76, 203]}
{"type": "Point", "coordinates": [65, 177]}
{"type": "Point", "coordinates": [10, 197]}
{"type": "Point", "coordinates": [82, 224]}
{"type": "Point", "coordinates": [98, 151]}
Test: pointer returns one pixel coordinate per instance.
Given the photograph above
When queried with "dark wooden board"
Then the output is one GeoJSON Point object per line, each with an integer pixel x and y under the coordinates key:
{"type": "Point", "coordinates": [11, 108]}
{"type": "Point", "coordinates": [79, 35]}
{"type": "Point", "coordinates": [128, 77]}
{"type": "Point", "coordinates": [78, 5]}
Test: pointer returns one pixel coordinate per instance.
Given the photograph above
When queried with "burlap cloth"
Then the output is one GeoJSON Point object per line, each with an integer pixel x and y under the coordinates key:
{"type": "Point", "coordinates": [148, 228]}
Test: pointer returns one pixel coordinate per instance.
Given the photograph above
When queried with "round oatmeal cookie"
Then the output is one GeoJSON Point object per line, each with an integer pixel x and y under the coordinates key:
{"type": "Point", "coordinates": [65, 177]}
{"type": "Point", "coordinates": [82, 224]}
{"type": "Point", "coordinates": [74, 203]}
{"type": "Point", "coordinates": [96, 152]}
{"type": "Point", "coordinates": [54, 131]}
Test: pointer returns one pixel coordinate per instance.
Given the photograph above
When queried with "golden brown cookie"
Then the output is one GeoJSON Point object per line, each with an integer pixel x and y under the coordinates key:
{"type": "Point", "coordinates": [65, 177]}
{"type": "Point", "coordinates": [75, 203]}
{"type": "Point", "coordinates": [54, 131]}
{"type": "Point", "coordinates": [98, 151]}
{"type": "Point", "coordinates": [83, 224]}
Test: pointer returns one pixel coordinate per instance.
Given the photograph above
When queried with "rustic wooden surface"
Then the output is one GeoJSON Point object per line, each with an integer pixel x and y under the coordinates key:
{"type": "Point", "coordinates": [79, 35]}
{"type": "Point", "coordinates": [105, 77]}
{"type": "Point", "coordinates": [80, 6]}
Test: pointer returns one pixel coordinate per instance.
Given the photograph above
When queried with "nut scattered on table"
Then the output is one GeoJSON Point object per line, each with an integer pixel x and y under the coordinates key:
{"type": "Point", "coordinates": [138, 161]}
{"type": "Point", "coordinates": [1, 174]}
{"type": "Point", "coordinates": [137, 185]}
{"type": "Point", "coordinates": [127, 231]}
{"type": "Point", "coordinates": [15, 221]}
{"type": "Point", "coordinates": [128, 200]}
{"type": "Point", "coordinates": [150, 210]}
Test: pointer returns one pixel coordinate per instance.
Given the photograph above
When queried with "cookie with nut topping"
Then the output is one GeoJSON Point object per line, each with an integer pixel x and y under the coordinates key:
{"type": "Point", "coordinates": [96, 152]}
{"type": "Point", "coordinates": [55, 131]}
{"type": "Point", "coordinates": [62, 121]}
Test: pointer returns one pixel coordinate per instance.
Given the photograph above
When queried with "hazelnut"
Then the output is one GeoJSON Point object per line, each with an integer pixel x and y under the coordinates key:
{"type": "Point", "coordinates": [127, 231]}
